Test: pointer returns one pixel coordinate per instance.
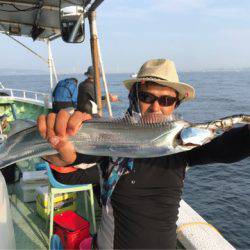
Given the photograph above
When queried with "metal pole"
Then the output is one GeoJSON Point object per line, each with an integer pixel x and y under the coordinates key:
{"type": "Point", "coordinates": [53, 66]}
{"type": "Point", "coordinates": [54, 70]}
{"type": "Point", "coordinates": [50, 65]}
{"type": "Point", "coordinates": [94, 5]}
{"type": "Point", "coordinates": [104, 80]}
{"type": "Point", "coordinates": [94, 53]}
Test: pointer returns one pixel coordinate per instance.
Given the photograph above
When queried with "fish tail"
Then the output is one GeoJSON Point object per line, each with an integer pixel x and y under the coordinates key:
{"type": "Point", "coordinates": [10, 153]}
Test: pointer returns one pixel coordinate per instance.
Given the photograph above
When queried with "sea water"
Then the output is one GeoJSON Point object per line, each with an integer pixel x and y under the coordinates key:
{"type": "Point", "coordinates": [218, 192]}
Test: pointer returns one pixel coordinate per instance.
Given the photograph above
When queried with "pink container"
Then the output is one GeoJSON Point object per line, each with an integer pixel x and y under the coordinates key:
{"type": "Point", "coordinates": [86, 244]}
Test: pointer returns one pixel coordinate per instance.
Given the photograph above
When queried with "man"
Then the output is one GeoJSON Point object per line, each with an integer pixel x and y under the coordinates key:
{"type": "Point", "coordinates": [141, 196]}
{"type": "Point", "coordinates": [86, 99]}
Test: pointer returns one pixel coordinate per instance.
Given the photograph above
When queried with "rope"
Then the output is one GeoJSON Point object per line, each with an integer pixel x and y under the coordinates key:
{"type": "Point", "coordinates": [26, 47]}
{"type": "Point", "coordinates": [181, 227]}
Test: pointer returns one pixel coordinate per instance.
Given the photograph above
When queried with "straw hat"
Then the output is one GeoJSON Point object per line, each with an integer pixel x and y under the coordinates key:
{"type": "Point", "coordinates": [163, 72]}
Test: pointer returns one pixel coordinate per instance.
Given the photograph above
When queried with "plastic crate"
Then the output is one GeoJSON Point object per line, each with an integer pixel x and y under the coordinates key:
{"type": "Point", "coordinates": [62, 202]}
{"type": "Point", "coordinates": [44, 211]}
{"type": "Point", "coordinates": [71, 228]}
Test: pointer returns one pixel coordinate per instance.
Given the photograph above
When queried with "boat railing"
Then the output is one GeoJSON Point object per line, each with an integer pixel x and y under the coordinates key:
{"type": "Point", "coordinates": [27, 95]}
{"type": "Point", "coordinates": [1, 85]}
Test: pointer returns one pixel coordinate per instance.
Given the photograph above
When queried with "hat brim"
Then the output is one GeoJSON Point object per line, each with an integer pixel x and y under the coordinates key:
{"type": "Point", "coordinates": [186, 91]}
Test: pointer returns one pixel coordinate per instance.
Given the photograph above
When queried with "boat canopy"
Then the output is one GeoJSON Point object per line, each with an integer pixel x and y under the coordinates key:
{"type": "Point", "coordinates": [38, 19]}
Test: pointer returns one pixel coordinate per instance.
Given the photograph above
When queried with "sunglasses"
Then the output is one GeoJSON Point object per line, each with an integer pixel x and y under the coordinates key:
{"type": "Point", "coordinates": [164, 100]}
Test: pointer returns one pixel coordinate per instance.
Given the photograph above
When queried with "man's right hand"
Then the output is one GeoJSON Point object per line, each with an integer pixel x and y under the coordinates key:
{"type": "Point", "coordinates": [56, 129]}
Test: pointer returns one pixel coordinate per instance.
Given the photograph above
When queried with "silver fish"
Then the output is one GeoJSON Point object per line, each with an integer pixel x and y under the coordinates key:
{"type": "Point", "coordinates": [124, 137]}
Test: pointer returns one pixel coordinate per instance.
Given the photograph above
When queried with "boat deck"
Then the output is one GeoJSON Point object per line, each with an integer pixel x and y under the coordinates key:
{"type": "Point", "coordinates": [31, 231]}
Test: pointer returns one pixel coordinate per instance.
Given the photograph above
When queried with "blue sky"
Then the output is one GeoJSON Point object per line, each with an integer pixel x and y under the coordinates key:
{"type": "Point", "coordinates": [196, 34]}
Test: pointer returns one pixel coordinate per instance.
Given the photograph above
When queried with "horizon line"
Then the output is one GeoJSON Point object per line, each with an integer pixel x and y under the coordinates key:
{"type": "Point", "coordinates": [43, 72]}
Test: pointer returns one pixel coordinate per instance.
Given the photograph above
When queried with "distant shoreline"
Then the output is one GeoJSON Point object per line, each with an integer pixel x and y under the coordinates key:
{"type": "Point", "coordinates": [30, 73]}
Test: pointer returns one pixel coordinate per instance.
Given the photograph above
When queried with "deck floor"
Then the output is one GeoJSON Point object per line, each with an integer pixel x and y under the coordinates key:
{"type": "Point", "coordinates": [30, 229]}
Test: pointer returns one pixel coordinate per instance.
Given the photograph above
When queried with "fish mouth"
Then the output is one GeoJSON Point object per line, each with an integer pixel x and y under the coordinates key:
{"type": "Point", "coordinates": [178, 141]}
{"type": "Point", "coordinates": [190, 144]}
{"type": "Point", "coordinates": [194, 136]}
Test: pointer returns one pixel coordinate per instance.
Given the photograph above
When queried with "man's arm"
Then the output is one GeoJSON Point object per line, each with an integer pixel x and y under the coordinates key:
{"type": "Point", "coordinates": [81, 176]}
{"type": "Point", "coordinates": [232, 146]}
{"type": "Point", "coordinates": [81, 158]}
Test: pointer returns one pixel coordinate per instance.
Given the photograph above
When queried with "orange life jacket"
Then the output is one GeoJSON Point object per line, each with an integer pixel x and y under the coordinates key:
{"type": "Point", "coordinates": [63, 170]}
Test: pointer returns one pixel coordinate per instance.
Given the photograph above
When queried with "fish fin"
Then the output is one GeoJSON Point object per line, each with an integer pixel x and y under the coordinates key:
{"type": "Point", "coordinates": [150, 121]}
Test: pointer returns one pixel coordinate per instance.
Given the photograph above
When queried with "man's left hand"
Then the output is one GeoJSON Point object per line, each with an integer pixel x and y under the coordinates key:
{"type": "Point", "coordinates": [114, 98]}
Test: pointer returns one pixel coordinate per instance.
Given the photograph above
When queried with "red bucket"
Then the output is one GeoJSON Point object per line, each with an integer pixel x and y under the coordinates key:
{"type": "Point", "coordinates": [71, 228]}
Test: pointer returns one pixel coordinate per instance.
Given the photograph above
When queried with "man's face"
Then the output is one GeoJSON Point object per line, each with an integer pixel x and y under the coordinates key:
{"type": "Point", "coordinates": [150, 92]}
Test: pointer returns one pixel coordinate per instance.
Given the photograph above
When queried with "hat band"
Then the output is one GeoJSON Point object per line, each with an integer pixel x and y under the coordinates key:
{"type": "Point", "coordinates": [152, 77]}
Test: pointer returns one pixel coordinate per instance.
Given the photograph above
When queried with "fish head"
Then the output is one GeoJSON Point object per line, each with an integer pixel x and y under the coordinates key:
{"type": "Point", "coordinates": [195, 136]}
{"type": "Point", "coordinates": [189, 137]}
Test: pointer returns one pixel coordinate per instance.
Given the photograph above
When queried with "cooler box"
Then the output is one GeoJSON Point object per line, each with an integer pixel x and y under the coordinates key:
{"type": "Point", "coordinates": [30, 181]}
{"type": "Point", "coordinates": [71, 228]}
{"type": "Point", "coordinates": [27, 191]}
{"type": "Point", "coordinates": [62, 202]}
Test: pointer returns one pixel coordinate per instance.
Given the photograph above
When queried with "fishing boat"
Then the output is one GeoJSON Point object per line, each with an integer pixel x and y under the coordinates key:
{"type": "Point", "coordinates": [40, 21]}
{"type": "Point", "coordinates": [23, 104]}
{"type": "Point", "coordinates": [19, 103]}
